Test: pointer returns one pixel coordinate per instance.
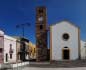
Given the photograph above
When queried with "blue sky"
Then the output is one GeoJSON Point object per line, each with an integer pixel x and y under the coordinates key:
{"type": "Point", "coordinates": [13, 12]}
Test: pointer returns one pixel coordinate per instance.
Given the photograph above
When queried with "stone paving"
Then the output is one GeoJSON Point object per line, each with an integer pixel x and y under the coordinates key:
{"type": "Point", "coordinates": [79, 68]}
{"type": "Point", "coordinates": [38, 68]}
{"type": "Point", "coordinates": [60, 65]}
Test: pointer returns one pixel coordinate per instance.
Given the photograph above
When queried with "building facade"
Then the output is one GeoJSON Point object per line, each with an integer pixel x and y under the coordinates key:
{"type": "Point", "coordinates": [18, 46]}
{"type": "Point", "coordinates": [32, 51]}
{"type": "Point", "coordinates": [1, 46]}
{"type": "Point", "coordinates": [9, 49]}
{"type": "Point", "coordinates": [64, 41]}
{"type": "Point", "coordinates": [22, 53]}
{"type": "Point", "coordinates": [83, 49]}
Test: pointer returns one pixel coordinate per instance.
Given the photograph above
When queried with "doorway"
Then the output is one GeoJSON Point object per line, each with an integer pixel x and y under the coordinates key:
{"type": "Point", "coordinates": [1, 55]}
{"type": "Point", "coordinates": [66, 54]}
{"type": "Point", "coordinates": [6, 57]}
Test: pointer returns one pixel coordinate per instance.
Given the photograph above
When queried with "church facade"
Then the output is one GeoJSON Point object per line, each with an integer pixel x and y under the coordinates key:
{"type": "Point", "coordinates": [64, 41]}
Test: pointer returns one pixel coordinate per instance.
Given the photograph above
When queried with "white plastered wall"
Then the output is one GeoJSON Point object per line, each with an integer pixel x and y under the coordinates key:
{"type": "Point", "coordinates": [58, 43]}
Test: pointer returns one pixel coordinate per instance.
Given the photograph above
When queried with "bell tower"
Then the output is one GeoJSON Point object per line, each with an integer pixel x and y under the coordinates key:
{"type": "Point", "coordinates": [41, 34]}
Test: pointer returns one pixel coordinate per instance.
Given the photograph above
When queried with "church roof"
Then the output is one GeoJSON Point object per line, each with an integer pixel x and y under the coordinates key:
{"type": "Point", "coordinates": [66, 21]}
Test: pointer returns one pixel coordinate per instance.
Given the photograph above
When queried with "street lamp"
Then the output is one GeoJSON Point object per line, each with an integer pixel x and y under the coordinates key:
{"type": "Point", "coordinates": [22, 26]}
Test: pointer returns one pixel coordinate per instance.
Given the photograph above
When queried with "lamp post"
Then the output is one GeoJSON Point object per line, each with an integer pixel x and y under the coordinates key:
{"type": "Point", "coordinates": [22, 26]}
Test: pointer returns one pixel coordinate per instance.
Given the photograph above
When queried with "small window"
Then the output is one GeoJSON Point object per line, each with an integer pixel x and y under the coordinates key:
{"type": "Point", "coordinates": [10, 49]}
{"type": "Point", "coordinates": [10, 45]}
{"type": "Point", "coordinates": [41, 26]}
{"type": "Point", "coordinates": [41, 10]}
{"type": "Point", "coordinates": [65, 36]}
{"type": "Point", "coordinates": [1, 50]}
{"type": "Point", "coordinates": [65, 47]}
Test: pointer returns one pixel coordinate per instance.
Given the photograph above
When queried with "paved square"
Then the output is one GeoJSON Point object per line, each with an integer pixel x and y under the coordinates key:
{"type": "Point", "coordinates": [37, 68]}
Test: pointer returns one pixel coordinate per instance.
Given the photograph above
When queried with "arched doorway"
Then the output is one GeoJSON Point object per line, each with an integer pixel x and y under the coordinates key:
{"type": "Point", "coordinates": [66, 53]}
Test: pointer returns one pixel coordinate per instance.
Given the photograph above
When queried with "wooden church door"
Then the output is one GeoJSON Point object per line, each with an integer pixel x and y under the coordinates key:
{"type": "Point", "coordinates": [66, 55]}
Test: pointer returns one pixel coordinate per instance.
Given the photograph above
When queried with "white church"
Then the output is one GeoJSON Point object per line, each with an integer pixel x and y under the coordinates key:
{"type": "Point", "coordinates": [64, 41]}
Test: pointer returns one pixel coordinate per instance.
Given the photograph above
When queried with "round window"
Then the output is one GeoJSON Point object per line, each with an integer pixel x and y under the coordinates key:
{"type": "Point", "coordinates": [65, 36]}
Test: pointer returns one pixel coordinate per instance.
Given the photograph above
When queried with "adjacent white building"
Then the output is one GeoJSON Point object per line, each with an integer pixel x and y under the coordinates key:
{"type": "Point", "coordinates": [83, 49]}
{"type": "Point", "coordinates": [1, 46]}
{"type": "Point", "coordinates": [64, 41]}
{"type": "Point", "coordinates": [9, 49]}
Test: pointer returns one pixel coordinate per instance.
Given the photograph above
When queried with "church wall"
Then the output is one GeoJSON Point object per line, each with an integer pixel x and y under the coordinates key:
{"type": "Point", "coordinates": [58, 43]}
